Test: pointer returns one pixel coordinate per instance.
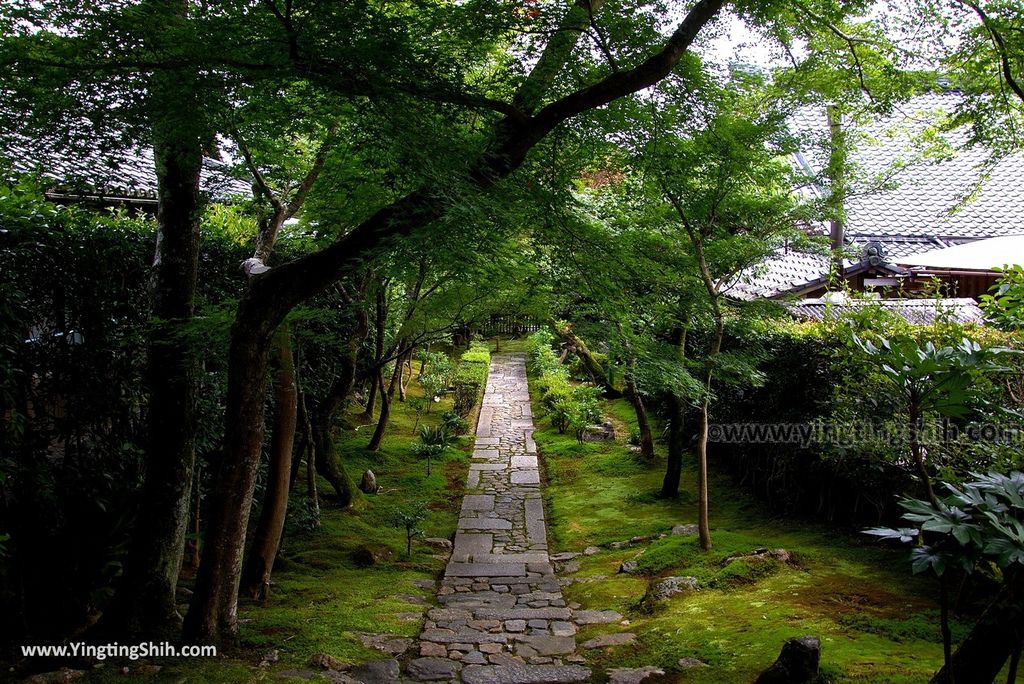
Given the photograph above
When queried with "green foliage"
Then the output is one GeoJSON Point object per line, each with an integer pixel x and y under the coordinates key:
{"type": "Point", "coordinates": [933, 378]}
{"type": "Point", "coordinates": [409, 518]}
{"type": "Point", "coordinates": [470, 377]}
{"type": "Point", "coordinates": [1004, 307]}
{"type": "Point", "coordinates": [572, 406]}
{"type": "Point", "coordinates": [453, 423]}
{"type": "Point", "coordinates": [541, 357]}
{"type": "Point", "coordinates": [979, 522]}
{"type": "Point", "coordinates": [74, 325]}
{"type": "Point", "coordinates": [434, 441]}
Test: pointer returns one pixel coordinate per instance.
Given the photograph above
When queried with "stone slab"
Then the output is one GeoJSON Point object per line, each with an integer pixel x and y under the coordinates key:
{"type": "Point", "coordinates": [478, 502]}
{"type": "Point", "coordinates": [525, 477]}
{"type": "Point", "coordinates": [485, 523]}
{"type": "Point", "coordinates": [486, 570]}
{"type": "Point", "coordinates": [472, 544]}
{"type": "Point", "coordinates": [524, 674]}
{"type": "Point", "coordinates": [524, 462]}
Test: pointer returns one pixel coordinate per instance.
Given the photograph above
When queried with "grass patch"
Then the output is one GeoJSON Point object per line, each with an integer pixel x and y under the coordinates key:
{"type": "Point", "coordinates": [321, 599]}
{"type": "Point", "coordinates": [877, 622]}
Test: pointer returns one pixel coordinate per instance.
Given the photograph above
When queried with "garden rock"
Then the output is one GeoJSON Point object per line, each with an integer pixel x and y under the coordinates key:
{"type": "Point", "coordinates": [431, 669]}
{"type": "Point", "coordinates": [368, 485]}
{"type": "Point", "coordinates": [377, 672]}
{"type": "Point", "coordinates": [670, 586]}
{"type": "Point", "coordinates": [690, 663]}
{"type": "Point", "coordinates": [629, 567]}
{"type": "Point", "coordinates": [596, 617]}
{"type": "Point", "coordinates": [780, 555]}
{"type": "Point", "coordinates": [366, 556]}
{"type": "Point", "coordinates": [606, 640]}
{"type": "Point", "coordinates": [387, 643]}
{"type": "Point", "coordinates": [685, 530]}
{"type": "Point", "coordinates": [796, 664]}
{"type": "Point", "coordinates": [632, 675]}
{"type": "Point", "coordinates": [591, 550]}
{"type": "Point", "coordinates": [328, 662]}
{"type": "Point", "coordinates": [438, 543]}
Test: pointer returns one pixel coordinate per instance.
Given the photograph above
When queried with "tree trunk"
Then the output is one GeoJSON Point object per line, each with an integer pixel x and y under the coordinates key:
{"type": "Point", "coordinates": [267, 537]}
{"type": "Point", "coordinates": [325, 459]}
{"type": "Point", "coordinates": [386, 397]}
{"type": "Point", "coordinates": [402, 381]}
{"type": "Point", "coordinates": [993, 640]}
{"type": "Point", "coordinates": [676, 435]}
{"type": "Point", "coordinates": [642, 421]}
{"type": "Point", "coordinates": [380, 326]}
{"type": "Point", "coordinates": [311, 492]}
{"type": "Point", "coordinates": [146, 606]}
{"type": "Point", "coordinates": [592, 365]}
{"type": "Point", "coordinates": [213, 612]}
{"type": "Point", "coordinates": [423, 364]}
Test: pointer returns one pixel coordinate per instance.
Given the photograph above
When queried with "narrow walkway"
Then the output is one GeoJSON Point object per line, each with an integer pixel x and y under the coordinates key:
{"type": "Point", "coordinates": [503, 619]}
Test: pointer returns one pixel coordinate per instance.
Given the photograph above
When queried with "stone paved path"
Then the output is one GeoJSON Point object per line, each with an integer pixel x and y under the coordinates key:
{"type": "Point", "coordinates": [502, 619]}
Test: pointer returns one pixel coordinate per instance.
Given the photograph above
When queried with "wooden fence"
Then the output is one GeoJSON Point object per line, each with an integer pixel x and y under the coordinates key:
{"type": "Point", "coordinates": [509, 324]}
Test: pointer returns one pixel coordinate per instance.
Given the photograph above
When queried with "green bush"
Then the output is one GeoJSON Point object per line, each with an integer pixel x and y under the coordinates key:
{"type": "Point", "coordinates": [542, 358]}
{"type": "Point", "coordinates": [470, 376]}
{"type": "Point", "coordinates": [453, 423]}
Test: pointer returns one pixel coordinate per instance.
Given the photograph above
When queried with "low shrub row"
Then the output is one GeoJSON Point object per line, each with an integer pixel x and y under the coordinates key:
{"type": "Point", "coordinates": [572, 406]}
{"type": "Point", "coordinates": [470, 376]}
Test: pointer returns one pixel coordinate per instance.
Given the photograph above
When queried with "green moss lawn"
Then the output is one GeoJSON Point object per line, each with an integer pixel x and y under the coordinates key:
{"type": "Point", "coordinates": [322, 600]}
{"type": "Point", "coordinates": [877, 623]}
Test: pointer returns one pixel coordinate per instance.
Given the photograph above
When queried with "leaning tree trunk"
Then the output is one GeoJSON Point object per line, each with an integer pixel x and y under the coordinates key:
{"type": "Point", "coordinates": [996, 636]}
{"type": "Point", "coordinates": [145, 605]}
{"type": "Point", "coordinates": [386, 397]}
{"type": "Point", "coordinates": [267, 537]}
{"type": "Point", "coordinates": [592, 365]}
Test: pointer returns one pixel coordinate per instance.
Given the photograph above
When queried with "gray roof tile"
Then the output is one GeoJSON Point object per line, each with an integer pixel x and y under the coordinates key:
{"type": "Point", "coordinates": [128, 174]}
{"type": "Point", "coordinates": [920, 208]}
{"type": "Point", "coordinates": [916, 311]}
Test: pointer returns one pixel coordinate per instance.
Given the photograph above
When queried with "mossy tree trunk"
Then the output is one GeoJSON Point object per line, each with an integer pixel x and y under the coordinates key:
{"type": "Point", "coordinates": [146, 606]}
{"type": "Point", "coordinates": [269, 528]}
{"type": "Point", "coordinates": [997, 635]}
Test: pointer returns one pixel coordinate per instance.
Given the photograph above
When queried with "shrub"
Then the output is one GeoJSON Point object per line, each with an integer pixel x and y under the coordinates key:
{"type": "Point", "coordinates": [454, 423]}
{"type": "Point", "coordinates": [436, 363]}
{"type": "Point", "coordinates": [470, 376]}
{"type": "Point", "coordinates": [433, 443]}
{"type": "Point", "coordinates": [542, 358]}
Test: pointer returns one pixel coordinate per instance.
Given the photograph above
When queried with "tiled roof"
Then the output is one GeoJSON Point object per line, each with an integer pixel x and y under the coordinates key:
{"type": "Point", "coordinates": [916, 311]}
{"type": "Point", "coordinates": [923, 198]}
{"type": "Point", "coordinates": [787, 271]}
{"type": "Point", "coordinates": [902, 202]}
{"type": "Point", "coordinates": [129, 175]}
{"type": "Point", "coordinates": [791, 271]}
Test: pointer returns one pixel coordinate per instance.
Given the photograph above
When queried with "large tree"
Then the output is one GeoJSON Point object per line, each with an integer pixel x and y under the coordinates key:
{"type": "Point", "coordinates": [469, 89]}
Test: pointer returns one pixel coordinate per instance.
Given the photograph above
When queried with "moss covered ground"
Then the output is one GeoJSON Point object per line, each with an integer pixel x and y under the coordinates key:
{"type": "Point", "coordinates": [877, 623]}
{"type": "Point", "coordinates": [321, 599]}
